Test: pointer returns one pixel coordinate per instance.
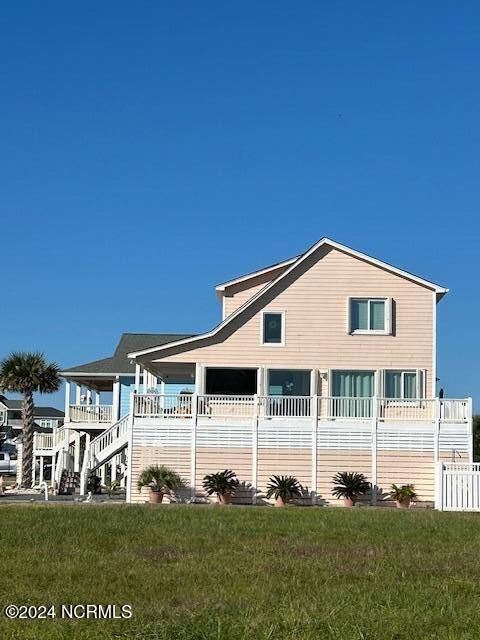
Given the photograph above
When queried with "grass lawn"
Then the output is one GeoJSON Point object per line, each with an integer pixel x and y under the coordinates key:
{"type": "Point", "coordinates": [199, 572]}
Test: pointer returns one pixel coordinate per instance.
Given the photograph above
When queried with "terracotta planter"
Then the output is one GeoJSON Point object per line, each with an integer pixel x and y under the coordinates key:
{"type": "Point", "coordinates": [155, 497]}
{"type": "Point", "coordinates": [226, 498]}
{"type": "Point", "coordinates": [280, 502]}
{"type": "Point", "coordinates": [349, 502]}
{"type": "Point", "coordinates": [403, 504]}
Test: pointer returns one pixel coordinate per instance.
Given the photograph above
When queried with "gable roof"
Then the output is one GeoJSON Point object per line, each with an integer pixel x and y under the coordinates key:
{"type": "Point", "coordinates": [273, 267]}
{"type": "Point", "coordinates": [120, 363]}
{"type": "Point", "coordinates": [439, 290]}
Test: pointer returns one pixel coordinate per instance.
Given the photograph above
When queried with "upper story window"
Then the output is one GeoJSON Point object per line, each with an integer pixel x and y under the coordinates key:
{"type": "Point", "coordinates": [273, 327]}
{"type": "Point", "coordinates": [370, 315]}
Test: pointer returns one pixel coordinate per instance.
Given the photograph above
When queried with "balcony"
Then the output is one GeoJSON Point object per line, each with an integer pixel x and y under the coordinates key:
{"type": "Point", "coordinates": [323, 408]}
{"type": "Point", "coordinates": [91, 413]}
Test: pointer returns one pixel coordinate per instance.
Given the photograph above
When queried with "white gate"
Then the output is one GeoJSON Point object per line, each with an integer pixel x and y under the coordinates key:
{"type": "Point", "coordinates": [458, 486]}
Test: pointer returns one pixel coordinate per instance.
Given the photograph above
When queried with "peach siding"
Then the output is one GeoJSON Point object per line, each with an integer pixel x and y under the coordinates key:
{"type": "Point", "coordinates": [334, 460]}
{"type": "Point", "coordinates": [213, 459]}
{"type": "Point", "coordinates": [289, 462]}
{"type": "Point", "coordinates": [177, 458]}
{"type": "Point", "coordinates": [406, 467]}
{"type": "Point", "coordinates": [315, 305]}
{"type": "Point", "coordinates": [238, 294]}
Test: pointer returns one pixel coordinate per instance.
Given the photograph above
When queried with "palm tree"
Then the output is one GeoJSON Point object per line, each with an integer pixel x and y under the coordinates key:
{"type": "Point", "coordinates": [27, 373]}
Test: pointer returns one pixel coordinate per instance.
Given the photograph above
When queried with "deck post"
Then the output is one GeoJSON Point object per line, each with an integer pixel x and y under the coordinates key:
{"type": "Point", "coordinates": [439, 486]}
{"type": "Point", "coordinates": [436, 430]}
{"type": "Point", "coordinates": [129, 451]}
{"type": "Point", "coordinates": [470, 422]}
{"type": "Point", "coordinates": [76, 454]}
{"type": "Point", "coordinates": [193, 450]}
{"type": "Point", "coordinates": [255, 448]}
{"type": "Point", "coordinates": [314, 414]}
{"type": "Point", "coordinates": [67, 400]}
{"type": "Point", "coordinates": [137, 377]}
{"type": "Point", "coordinates": [116, 400]}
{"type": "Point", "coordinates": [374, 448]}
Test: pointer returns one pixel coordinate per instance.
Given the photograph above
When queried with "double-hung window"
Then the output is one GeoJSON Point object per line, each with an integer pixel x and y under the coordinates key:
{"type": "Point", "coordinates": [369, 315]}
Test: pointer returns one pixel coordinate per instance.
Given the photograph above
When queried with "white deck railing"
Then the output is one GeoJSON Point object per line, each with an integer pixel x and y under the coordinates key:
{"type": "Point", "coordinates": [285, 406]}
{"type": "Point", "coordinates": [333, 407]}
{"type": "Point", "coordinates": [91, 413]}
{"type": "Point", "coordinates": [42, 441]}
{"type": "Point", "coordinates": [105, 439]}
{"type": "Point", "coordinates": [393, 409]}
{"type": "Point", "coordinates": [226, 406]}
{"type": "Point", "coordinates": [157, 405]}
{"type": "Point", "coordinates": [328, 408]}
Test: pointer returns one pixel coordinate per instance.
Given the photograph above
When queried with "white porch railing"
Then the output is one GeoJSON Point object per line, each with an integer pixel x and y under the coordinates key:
{"type": "Point", "coordinates": [91, 413]}
{"type": "Point", "coordinates": [226, 406]}
{"type": "Point", "coordinates": [332, 407]}
{"type": "Point", "coordinates": [42, 441]}
{"type": "Point", "coordinates": [393, 409]}
{"type": "Point", "coordinates": [328, 408]}
{"type": "Point", "coordinates": [285, 406]}
{"type": "Point", "coordinates": [108, 437]}
{"type": "Point", "coordinates": [157, 405]}
{"type": "Point", "coordinates": [455, 410]}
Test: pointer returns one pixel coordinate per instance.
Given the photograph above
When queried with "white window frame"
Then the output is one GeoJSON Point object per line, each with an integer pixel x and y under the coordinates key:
{"type": "Point", "coordinates": [262, 325]}
{"type": "Point", "coordinates": [420, 385]}
{"type": "Point", "coordinates": [388, 316]}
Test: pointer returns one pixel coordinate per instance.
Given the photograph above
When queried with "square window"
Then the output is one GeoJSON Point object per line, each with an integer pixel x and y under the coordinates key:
{"type": "Point", "coordinates": [368, 315]}
{"type": "Point", "coordinates": [272, 328]}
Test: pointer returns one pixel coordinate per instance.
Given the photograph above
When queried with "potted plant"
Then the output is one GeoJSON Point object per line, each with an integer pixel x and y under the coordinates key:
{"type": "Point", "coordinates": [161, 480]}
{"type": "Point", "coordinates": [283, 489]}
{"type": "Point", "coordinates": [223, 484]}
{"type": "Point", "coordinates": [403, 495]}
{"type": "Point", "coordinates": [349, 485]}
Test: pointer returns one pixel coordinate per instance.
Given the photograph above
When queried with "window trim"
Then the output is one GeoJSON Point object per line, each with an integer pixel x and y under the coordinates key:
{"type": "Point", "coordinates": [368, 332]}
{"type": "Point", "coordinates": [263, 313]}
{"type": "Point", "coordinates": [420, 387]}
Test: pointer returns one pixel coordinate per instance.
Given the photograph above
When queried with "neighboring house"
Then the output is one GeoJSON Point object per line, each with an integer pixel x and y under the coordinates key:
{"type": "Point", "coordinates": [47, 420]}
{"type": "Point", "coordinates": [322, 363]}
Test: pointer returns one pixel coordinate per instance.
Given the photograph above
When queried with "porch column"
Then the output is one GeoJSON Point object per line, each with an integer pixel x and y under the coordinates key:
{"type": "Point", "coordinates": [137, 377]}
{"type": "Point", "coordinates": [89, 395]}
{"type": "Point", "coordinates": [67, 400]}
{"type": "Point", "coordinates": [261, 381]}
{"type": "Point", "coordinates": [116, 400]}
{"type": "Point", "coordinates": [78, 392]}
{"type": "Point", "coordinates": [76, 454]}
{"type": "Point", "coordinates": [86, 451]}
{"type": "Point", "coordinates": [314, 414]}
{"type": "Point", "coordinates": [97, 398]}
{"type": "Point", "coordinates": [314, 382]}
{"type": "Point", "coordinates": [199, 379]}
{"type": "Point", "coordinates": [41, 470]}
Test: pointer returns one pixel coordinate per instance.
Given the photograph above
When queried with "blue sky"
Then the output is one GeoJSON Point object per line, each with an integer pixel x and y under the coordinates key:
{"type": "Point", "coordinates": [150, 150]}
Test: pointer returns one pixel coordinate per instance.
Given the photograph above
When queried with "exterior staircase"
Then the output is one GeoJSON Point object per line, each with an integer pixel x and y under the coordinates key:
{"type": "Point", "coordinates": [69, 482]}
{"type": "Point", "coordinates": [103, 448]}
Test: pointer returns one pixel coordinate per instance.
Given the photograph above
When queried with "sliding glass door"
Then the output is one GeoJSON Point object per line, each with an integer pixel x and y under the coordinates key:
{"type": "Point", "coordinates": [354, 390]}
